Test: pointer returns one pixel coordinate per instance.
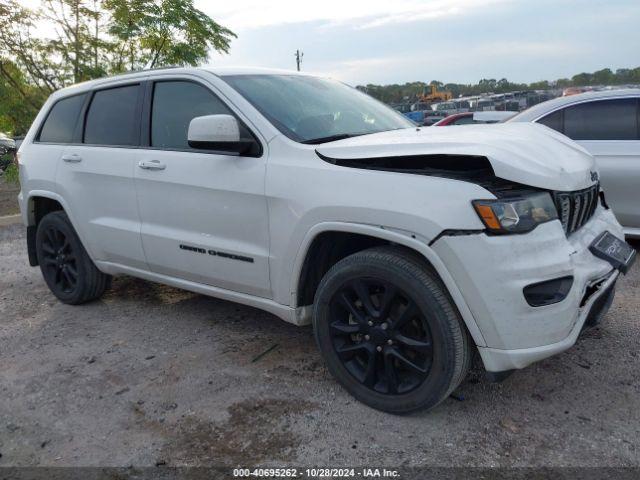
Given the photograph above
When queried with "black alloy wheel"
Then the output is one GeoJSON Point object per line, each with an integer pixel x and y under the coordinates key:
{"type": "Point", "coordinates": [59, 260]}
{"type": "Point", "coordinates": [389, 331]}
{"type": "Point", "coordinates": [66, 267]}
{"type": "Point", "coordinates": [381, 336]}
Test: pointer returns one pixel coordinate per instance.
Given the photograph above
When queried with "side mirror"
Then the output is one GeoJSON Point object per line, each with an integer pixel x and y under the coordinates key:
{"type": "Point", "coordinates": [217, 132]}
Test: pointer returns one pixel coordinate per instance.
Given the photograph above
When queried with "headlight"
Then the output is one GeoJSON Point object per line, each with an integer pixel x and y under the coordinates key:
{"type": "Point", "coordinates": [517, 215]}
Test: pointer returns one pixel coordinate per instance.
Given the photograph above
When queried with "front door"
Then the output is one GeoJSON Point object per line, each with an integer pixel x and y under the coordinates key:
{"type": "Point", "coordinates": [204, 214]}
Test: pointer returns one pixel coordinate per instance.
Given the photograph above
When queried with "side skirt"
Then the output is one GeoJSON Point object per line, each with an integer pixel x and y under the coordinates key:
{"type": "Point", "coordinates": [284, 312]}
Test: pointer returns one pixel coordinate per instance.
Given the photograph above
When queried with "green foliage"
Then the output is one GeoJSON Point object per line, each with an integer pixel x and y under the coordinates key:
{"type": "Point", "coordinates": [168, 32]}
{"type": "Point", "coordinates": [19, 101]}
{"type": "Point", "coordinates": [5, 159]}
{"type": "Point", "coordinates": [409, 92]}
{"type": "Point", "coordinates": [11, 174]}
{"type": "Point", "coordinates": [93, 38]}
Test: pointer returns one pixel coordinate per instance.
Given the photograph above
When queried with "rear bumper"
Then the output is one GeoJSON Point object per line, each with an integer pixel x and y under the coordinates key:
{"type": "Point", "coordinates": [492, 271]}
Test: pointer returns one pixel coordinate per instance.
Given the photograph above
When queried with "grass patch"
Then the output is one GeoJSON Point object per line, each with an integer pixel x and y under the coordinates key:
{"type": "Point", "coordinates": [11, 175]}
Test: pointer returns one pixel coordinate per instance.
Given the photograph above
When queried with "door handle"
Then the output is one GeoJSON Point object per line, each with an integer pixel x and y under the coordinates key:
{"type": "Point", "coordinates": [151, 165]}
{"type": "Point", "coordinates": [72, 158]}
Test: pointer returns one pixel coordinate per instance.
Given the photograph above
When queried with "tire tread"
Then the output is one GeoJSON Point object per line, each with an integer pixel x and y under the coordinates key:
{"type": "Point", "coordinates": [405, 262]}
{"type": "Point", "coordinates": [95, 282]}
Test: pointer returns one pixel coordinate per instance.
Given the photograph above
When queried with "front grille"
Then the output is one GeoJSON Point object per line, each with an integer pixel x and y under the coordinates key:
{"type": "Point", "coordinates": [576, 208]}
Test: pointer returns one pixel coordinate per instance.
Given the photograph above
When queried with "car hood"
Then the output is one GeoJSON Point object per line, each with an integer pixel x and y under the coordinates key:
{"type": "Point", "coordinates": [525, 153]}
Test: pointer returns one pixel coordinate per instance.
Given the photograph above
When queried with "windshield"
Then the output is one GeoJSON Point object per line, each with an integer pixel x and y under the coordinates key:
{"type": "Point", "coordinates": [315, 110]}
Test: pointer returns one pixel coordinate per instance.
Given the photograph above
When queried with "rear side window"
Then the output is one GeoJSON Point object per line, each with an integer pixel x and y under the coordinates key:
{"type": "Point", "coordinates": [111, 119]}
{"type": "Point", "coordinates": [62, 119]}
{"type": "Point", "coordinates": [602, 120]}
{"type": "Point", "coordinates": [553, 120]}
{"type": "Point", "coordinates": [175, 104]}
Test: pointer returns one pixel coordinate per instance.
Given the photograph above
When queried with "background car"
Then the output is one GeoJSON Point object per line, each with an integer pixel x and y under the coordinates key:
{"type": "Point", "coordinates": [417, 112]}
{"type": "Point", "coordinates": [7, 144]}
{"type": "Point", "coordinates": [469, 118]}
{"type": "Point", "coordinates": [607, 124]}
{"type": "Point", "coordinates": [431, 118]}
{"type": "Point", "coordinates": [448, 108]}
{"type": "Point", "coordinates": [7, 150]}
{"type": "Point", "coordinates": [401, 107]}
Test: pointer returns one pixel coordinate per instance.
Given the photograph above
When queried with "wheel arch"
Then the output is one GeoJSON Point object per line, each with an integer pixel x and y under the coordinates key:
{"type": "Point", "coordinates": [38, 203]}
{"type": "Point", "coordinates": [368, 235]}
{"type": "Point", "coordinates": [41, 202]}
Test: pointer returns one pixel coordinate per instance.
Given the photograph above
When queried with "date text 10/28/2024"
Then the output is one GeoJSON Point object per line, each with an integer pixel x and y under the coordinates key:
{"type": "Point", "coordinates": [316, 473]}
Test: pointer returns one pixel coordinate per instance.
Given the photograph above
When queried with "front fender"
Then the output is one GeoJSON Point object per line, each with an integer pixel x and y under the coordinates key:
{"type": "Point", "coordinates": [401, 237]}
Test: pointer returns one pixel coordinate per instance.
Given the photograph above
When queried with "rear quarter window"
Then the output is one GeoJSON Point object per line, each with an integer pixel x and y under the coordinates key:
{"type": "Point", "coordinates": [553, 120]}
{"type": "Point", "coordinates": [62, 119]}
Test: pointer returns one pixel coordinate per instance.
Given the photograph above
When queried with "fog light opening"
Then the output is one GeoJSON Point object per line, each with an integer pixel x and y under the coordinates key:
{"type": "Point", "coordinates": [547, 292]}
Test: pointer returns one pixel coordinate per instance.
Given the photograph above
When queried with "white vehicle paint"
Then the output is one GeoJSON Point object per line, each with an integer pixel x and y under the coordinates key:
{"type": "Point", "coordinates": [243, 226]}
{"type": "Point", "coordinates": [493, 116]}
{"type": "Point", "coordinates": [603, 132]}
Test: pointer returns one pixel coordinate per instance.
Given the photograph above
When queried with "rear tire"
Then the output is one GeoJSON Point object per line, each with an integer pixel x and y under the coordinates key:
{"type": "Point", "coordinates": [65, 265]}
{"type": "Point", "coordinates": [389, 332]}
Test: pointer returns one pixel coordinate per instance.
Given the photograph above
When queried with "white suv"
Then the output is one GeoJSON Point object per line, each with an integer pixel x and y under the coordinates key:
{"type": "Point", "coordinates": [408, 248]}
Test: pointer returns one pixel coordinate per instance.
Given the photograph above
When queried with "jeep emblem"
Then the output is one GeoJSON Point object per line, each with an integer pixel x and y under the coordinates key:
{"type": "Point", "coordinates": [594, 176]}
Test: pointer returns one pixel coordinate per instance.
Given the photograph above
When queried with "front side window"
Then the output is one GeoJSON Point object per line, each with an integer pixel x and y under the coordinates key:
{"type": "Point", "coordinates": [111, 119]}
{"type": "Point", "coordinates": [175, 104]}
{"type": "Point", "coordinates": [62, 120]}
{"type": "Point", "coordinates": [315, 110]}
{"type": "Point", "coordinates": [602, 120]}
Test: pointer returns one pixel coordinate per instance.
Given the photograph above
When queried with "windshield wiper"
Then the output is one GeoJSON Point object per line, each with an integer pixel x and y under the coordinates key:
{"type": "Point", "coordinates": [331, 138]}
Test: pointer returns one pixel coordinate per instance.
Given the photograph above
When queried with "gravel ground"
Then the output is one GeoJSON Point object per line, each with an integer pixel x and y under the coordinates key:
{"type": "Point", "coordinates": [153, 375]}
{"type": "Point", "coordinates": [8, 197]}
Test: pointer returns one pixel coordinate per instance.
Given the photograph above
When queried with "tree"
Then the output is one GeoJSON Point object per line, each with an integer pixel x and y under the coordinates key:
{"type": "Point", "coordinates": [409, 92]}
{"type": "Point", "coordinates": [169, 32]}
{"type": "Point", "coordinates": [603, 77]}
{"type": "Point", "coordinates": [19, 101]}
{"type": "Point", "coordinates": [93, 38]}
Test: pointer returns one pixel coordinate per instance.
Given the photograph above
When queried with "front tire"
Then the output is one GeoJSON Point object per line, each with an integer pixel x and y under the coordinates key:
{"type": "Point", "coordinates": [65, 265]}
{"type": "Point", "coordinates": [388, 331]}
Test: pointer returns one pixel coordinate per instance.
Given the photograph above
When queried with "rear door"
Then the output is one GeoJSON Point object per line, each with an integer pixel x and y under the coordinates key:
{"type": "Point", "coordinates": [95, 175]}
{"type": "Point", "coordinates": [56, 133]}
{"type": "Point", "coordinates": [610, 131]}
{"type": "Point", "coordinates": [204, 213]}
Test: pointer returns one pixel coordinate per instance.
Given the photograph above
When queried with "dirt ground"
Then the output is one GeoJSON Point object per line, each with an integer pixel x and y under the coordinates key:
{"type": "Point", "coordinates": [151, 375]}
{"type": "Point", "coordinates": [8, 198]}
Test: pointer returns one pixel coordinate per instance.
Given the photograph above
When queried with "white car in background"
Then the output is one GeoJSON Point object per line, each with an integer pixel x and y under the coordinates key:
{"type": "Point", "coordinates": [607, 124]}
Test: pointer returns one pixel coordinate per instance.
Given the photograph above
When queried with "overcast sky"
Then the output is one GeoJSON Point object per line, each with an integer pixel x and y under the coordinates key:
{"type": "Point", "coordinates": [395, 41]}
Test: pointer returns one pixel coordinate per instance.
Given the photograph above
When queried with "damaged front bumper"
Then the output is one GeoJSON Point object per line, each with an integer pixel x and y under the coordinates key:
{"type": "Point", "coordinates": [492, 272]}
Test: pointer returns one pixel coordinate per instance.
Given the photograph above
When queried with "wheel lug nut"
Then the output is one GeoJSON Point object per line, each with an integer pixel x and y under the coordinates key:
{"type": "Point", "coordinates": [384, 326]}
{"type": "Point", "coordinates": [367, 337]}
{"type": "Point", "coordinates": [389, 342]}
{"type": "Point", "coordinates": [379, 348]}
{"type": "Point", "coordinates": [370, 323]}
